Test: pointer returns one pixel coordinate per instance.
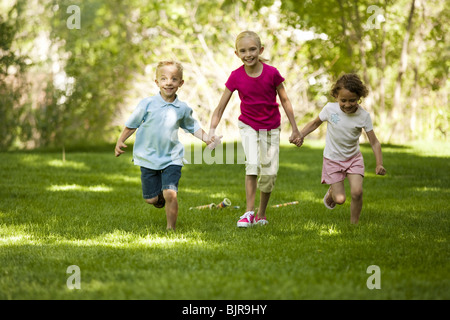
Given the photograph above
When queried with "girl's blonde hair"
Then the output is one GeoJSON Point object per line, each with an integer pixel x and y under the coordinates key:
{"type": "Point", "coordinates": [177, 64]}
{"type": "Point", "coordinates": [250, 34]}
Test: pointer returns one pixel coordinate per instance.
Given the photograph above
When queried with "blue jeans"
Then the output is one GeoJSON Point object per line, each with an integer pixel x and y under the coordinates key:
{"type": "Point", "coordinates": [154, 181]}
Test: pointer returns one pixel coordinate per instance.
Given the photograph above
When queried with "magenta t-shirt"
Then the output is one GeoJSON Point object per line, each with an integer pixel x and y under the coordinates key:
{"type": "Point", "coordinates": [259, 107]}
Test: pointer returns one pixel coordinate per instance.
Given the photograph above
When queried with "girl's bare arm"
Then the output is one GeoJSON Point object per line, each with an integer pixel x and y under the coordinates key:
{"type": "Point", "coordinates": [376, 147]}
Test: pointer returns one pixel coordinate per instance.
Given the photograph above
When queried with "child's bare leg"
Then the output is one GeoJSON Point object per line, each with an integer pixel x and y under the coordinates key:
{"type": "Point", "coordinates": [264, 200]}
{"type": "Point", "coordinates": [152, 200]}
{"type": "Point", "coordinates": [356, 190]}
{"type": "Point", "coordinates": [171, 208]}
{"type": "Point", "coordinates": [250, 191]}
{"type": "Point", "coordinates": [337, 193]}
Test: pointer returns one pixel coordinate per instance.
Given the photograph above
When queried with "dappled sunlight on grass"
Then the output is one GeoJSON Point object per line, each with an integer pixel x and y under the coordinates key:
{"type": "Point", "coordinates": [321, 229]}
{"type": "Point", "coordinates": [430, 189]}
{"type": "Point", "coordinates": [425, 148]}
{"type": "Point", "coordinates": [329, 231]}
{"type": "Point", "coordinates": [75, 187]}
{"type": "Point", "coordinates": [125, 239]}
{"type": "Point", "coordinates": [17, 235]}
{"type": "Point", "coordinates": [121, 239]}
{"type": "Point", "coordinates": [17, 239]}
{"type": "Point", "coordinates": [219, 195]}
{"type": "Point", "coordinates": [207, 195]}
{"type": "Point", "coordinates": [310, 196]}
{"type": "Point", "coordinates": [194, 191]}
{"type": "Point", "coordinates": [68, 164]}
{"type": "Point", "coordinates": [123, 178]}
{"type": "Point", "coordinates": [36, 160]}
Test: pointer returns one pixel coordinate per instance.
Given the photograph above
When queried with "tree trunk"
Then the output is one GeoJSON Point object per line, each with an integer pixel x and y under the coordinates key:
{"type": "Point", "coordinates": [344, 29]}
{"type": "Point", "coordinates": [382, 87]}
{"type": "Point", "coordinates": [362, 49]}
{"type": "Point", "coordinates": [397, 108]}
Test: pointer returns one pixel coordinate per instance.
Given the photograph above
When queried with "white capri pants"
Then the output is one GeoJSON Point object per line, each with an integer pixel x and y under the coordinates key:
{"type": "Point", "coordinates": [262, 150]}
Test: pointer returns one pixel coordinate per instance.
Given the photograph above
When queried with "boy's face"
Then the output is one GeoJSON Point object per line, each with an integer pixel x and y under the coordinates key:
{"type": "Point", "coordinates": [348, 101]}
{"type": "Point", "coordinates": [169, 80]}
{"type": "Point", "coordinates": [248, 50]}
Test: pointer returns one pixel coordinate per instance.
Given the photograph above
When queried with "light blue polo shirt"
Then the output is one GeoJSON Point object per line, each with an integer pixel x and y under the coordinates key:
{"type": "Point", "coordinates": [157, 145]}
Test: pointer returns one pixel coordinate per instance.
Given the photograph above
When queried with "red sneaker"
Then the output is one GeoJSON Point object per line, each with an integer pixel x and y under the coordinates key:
{"type": "Point", "coordinates": [246, 220]}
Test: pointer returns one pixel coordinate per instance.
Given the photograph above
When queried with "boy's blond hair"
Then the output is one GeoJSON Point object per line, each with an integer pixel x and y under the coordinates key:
{"type": "Point", "coordinates": [164, 63]}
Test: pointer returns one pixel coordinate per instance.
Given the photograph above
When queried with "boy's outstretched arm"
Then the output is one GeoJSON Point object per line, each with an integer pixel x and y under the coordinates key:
{"type": "Point", "coordinates": [295, 138]}
{"type": "Point", "coordinates": [126, 133]}
{"type": "Point", "coordinates": [376, 147]}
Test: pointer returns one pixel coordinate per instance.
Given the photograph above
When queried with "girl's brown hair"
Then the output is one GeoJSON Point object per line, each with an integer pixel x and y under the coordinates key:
{"type": "Point", "coordinates": [352, 83]}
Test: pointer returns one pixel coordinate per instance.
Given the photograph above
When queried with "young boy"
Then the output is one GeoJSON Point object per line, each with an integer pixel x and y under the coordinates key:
{"type": "Point", "coordinates": [157, 149]}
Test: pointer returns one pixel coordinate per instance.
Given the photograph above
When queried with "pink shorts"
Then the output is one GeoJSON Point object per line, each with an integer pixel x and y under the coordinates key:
{"type": "Point", "coordinates": [336, 171]}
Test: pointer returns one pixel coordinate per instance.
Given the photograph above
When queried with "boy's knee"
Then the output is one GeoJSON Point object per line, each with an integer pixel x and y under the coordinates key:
{"type": "Point", "coordinates": [151, 200]}
{"type": "Point", "coordinates": [266, 183]}
{"type": "Point", "coordinates": [170, 195]}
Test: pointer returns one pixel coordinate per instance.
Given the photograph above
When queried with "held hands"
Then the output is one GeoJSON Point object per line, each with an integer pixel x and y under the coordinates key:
{"type": "Point", "coordinates": [213, 140]}
{"type": "Point", "coordinates": [296, 138]}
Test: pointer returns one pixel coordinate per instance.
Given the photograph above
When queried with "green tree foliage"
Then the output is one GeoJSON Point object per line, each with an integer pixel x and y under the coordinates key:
{"type": "Point", "coordinates": [80, 83]}
{"type": "Point", "coordinates": [402, 55]}
{"type": "Point", "coordinates": [99, 60]}
{"type": "Point", "coordinates": [12, 81]}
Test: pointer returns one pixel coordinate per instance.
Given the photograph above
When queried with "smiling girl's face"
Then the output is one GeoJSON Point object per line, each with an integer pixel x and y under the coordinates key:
{"type": "Point", "coordinates": [348, 101]}
{"type": "Point", "coordinates": [248, 50]}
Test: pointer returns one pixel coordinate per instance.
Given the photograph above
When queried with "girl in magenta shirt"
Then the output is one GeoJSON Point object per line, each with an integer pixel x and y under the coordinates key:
{"type": "Point", "coordinates": [259, 108]}
{"type": "Point", "coordinates": [258, 85]}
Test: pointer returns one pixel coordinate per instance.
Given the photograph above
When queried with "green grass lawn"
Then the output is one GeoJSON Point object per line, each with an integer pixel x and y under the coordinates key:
{"type": "Point", "coordinates": [88, 211]}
